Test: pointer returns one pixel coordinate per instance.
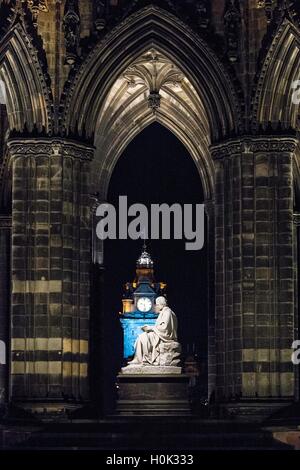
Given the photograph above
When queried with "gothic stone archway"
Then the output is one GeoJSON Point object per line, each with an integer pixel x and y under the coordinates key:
{"type": "Point", "coordinates": [248, 182]}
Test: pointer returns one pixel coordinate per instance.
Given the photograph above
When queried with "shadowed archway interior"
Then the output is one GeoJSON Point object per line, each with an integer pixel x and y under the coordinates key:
{"type": "Point", "coordinates": [147, 172]}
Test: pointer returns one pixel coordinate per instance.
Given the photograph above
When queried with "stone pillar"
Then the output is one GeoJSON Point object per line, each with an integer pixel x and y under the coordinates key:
{"type": "Point", "coordinates": [210, 236]}
{"type": "Point", "coordinates": [51, 253]}
{"type": "Point", "coordinates": [254, 268]}
{"type": "Point", "coordinates": [5, 234]}
{"type": "Point", "coordinates": [97, 244]}
{"type": "Point", "coordinates": [297, 294]}
{"type": "Point", "coordinates": [97, 353]}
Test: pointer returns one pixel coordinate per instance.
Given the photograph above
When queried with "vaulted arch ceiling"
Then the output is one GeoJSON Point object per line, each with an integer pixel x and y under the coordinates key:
{"type": "Point", "coordinates": [152, 89]}
{"type": "Point", "coordinates": [201, 109]}
{"type": "Point", "coordinates": [28, 98]}
{"type": "Point", "coordinates": [152, 27]}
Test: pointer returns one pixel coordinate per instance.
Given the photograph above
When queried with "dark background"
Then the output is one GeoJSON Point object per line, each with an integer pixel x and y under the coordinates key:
{"type": "Point", "coordinates": [157, 168]}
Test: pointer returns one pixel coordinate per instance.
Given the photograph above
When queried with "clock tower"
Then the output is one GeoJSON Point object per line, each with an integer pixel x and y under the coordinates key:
{"type": "Point", "coordinates": [139, 301]}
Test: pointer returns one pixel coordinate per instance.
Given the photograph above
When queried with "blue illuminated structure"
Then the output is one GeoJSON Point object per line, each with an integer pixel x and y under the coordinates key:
{"type": "Point", "coordinates": [139, 302]}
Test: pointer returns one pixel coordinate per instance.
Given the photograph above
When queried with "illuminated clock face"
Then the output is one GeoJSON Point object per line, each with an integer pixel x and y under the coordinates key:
{"type": "Point", "coordinates": [144, 304]}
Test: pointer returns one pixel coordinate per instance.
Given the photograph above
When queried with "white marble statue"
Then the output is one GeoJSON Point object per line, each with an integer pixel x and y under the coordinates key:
{"type": "Point", "coordinates": [158, 345]}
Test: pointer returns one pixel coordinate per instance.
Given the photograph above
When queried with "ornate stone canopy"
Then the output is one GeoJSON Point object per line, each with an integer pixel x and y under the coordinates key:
{"type": "Point", "coordinates": [151, 89]}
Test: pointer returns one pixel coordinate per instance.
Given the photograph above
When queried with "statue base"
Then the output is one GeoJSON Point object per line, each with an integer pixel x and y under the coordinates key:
{"type": "Point", "coordinates": [137, 369]}
{"type": "Point", "coordinates": [152, 390]}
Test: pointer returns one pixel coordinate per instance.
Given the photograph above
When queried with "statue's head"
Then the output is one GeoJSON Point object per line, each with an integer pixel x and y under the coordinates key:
{"type": "Point", "coordinates": [160, 303]}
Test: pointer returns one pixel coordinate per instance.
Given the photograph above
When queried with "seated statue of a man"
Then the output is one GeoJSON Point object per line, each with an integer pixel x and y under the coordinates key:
{"type": "Point", "coordinates": [158, 345]}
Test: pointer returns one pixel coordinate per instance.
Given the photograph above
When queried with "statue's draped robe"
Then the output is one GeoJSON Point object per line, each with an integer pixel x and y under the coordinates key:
{"type": "Point", "coordinates": [147, 344]}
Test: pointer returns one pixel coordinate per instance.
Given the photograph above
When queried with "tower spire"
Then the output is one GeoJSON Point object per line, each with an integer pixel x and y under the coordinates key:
{"type": "Point", "coordinates": [144, 244]}
{"type": "Point", "coordinates": [145, 258]}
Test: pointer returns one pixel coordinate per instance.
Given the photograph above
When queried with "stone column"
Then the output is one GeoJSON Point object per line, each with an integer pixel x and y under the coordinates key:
{"type": "Point", "coordinates": [51, 253]}
{"type": "Point", "coordinates": [97, 352]}
{"type": "Point", "coordinates": [254, 268]}
{"type": "Point", "coordinates": [210, 236]}
{"type": "Point", "coordinates": [5, 234]}
{"type": "Point", "coordinates": [297, 293]}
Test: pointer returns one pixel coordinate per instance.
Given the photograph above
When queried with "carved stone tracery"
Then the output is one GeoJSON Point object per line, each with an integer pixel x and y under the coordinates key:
{"type": "Point", "coordinates": [154, 72]}
{"type": "Point", "coordinates": [71, 23]}
{"type": "Point", "coordinates": [36, 6]}
{"type": "Point", "coordinates": [232, 24]}
{"type": "Point", "coordinates": [99, 14]}
{"type": "Point", "coordinates": [49, 147]}
{"type": "Point", "coordinates": [254, 145]}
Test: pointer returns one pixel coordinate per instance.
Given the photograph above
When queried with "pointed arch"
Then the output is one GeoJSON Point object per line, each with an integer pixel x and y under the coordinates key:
{"type": "Point", "coordinates": [28, 96]}
{"type": "Point", "coordinates": [103, 167]}
{"type": "Point", "coordinates": [152, 27]}
{"type": "Point", "coordinates": [273, 95]}
{"type": "Point", "coordinates": [210, 113]}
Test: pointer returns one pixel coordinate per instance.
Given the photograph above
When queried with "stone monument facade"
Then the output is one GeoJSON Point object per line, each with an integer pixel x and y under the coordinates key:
{"type": "Point", "coordinates": [221, 76]}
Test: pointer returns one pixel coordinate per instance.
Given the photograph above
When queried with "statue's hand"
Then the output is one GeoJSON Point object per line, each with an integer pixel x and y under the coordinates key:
{"type": "Point", "coordinates": [146, 328]}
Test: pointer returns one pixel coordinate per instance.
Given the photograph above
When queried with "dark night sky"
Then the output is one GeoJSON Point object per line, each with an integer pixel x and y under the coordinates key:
{"type": "Point", "coordinates": [156, 168]}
